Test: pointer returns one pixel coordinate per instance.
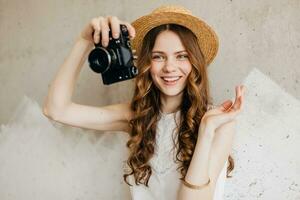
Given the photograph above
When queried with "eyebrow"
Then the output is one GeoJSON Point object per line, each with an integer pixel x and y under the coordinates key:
{"type": "Point", "coordinates": [164, 52]}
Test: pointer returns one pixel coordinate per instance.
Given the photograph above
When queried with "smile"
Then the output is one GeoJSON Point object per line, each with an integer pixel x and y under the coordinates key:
{"type": "Point", "coordinates": [170, 80]}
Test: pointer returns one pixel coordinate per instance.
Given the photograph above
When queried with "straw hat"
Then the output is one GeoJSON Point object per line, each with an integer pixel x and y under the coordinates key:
{"type": "Point", "coordinates": [171, 14]}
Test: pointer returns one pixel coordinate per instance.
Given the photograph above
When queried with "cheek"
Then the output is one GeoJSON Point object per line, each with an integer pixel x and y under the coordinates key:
{"type": "Point", "coordinates": [153, 76]}
{"type": "Point", "coordinates": [154, 71]}
{"type": "Point", "coordinates": [187, 70]}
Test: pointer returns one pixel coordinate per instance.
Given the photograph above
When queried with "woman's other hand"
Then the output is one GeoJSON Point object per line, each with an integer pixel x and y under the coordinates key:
{"type": "Point", "coordinates": [224, 113]}
{"type": "Point", "coordinates": [97, 30]}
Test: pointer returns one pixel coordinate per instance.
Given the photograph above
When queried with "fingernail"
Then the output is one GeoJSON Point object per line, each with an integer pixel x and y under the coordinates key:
{"type": "Point", "coordinates": [116, 35]}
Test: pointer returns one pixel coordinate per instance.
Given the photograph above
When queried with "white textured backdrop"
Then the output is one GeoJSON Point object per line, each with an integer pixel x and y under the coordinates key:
{"type": "Point", "coordinates": [266, 146]}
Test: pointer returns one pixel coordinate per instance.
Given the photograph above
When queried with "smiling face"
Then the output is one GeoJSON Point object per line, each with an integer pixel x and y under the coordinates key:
{"type": "Point", "coordinates": [170, 64]}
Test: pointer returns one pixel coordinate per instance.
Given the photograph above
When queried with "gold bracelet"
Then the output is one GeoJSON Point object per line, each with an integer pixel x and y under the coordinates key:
{"type": "Point", "coordinates": [196, 187]}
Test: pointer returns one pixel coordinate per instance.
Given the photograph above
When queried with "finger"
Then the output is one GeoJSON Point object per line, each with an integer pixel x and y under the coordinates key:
{"type": "Point", "coordinates": [96, 33]}
{"type": "Point", "coordinates": [238, 94]}
{"type": "Point", "coordinates": [234, 110]}
{"type": "Point", "coordinates": [130, 28]}
{"type": "Point", "coordinates": [104, 32]}
{"type": "Point", "coordinates": [237, 105]}
{"type": "Point", "coordinates": [240, 100]}
{"type": "Point", "coordinates": [115, 26]}
{"type": "Point", "coordinates": [220, 108]}
{"type": "Point", "coordinates": [243, 96]}
{"type": "Point", "coordinates": [227, 104]}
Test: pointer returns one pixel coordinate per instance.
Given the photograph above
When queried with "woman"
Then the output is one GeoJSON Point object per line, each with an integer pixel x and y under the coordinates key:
{"type": "Point", "coordinates": [179, 144]}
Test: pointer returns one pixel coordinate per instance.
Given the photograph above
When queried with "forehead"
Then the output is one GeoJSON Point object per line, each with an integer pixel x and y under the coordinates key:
{"type": "Point", "coordinates": [168, 42]}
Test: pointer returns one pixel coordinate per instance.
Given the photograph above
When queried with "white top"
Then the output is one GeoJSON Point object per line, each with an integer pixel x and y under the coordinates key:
{"type": "Point", "coordinates": [164, 181]}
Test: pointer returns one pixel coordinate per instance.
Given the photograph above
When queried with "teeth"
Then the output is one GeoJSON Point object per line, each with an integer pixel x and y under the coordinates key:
{"type": "Point", "coordinates": [171, 78]}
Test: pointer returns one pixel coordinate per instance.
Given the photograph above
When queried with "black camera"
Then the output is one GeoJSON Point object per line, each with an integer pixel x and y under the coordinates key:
{"type": "Point", "coordinates": [115, 63]}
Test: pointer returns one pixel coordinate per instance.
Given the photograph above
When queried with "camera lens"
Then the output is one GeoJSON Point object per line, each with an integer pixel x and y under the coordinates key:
{"type": "Point", "coordinates": [99, 60]}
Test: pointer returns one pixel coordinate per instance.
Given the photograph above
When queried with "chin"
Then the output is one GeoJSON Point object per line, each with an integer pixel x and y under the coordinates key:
{"type": "Point", "coordinates": [167, 90]}
{"type": "Point", "coordinates": [171, 92]}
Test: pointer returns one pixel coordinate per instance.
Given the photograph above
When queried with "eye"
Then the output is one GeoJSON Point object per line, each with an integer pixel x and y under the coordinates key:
{"type": "Point", "coordinates": [182, 56]}
{"type": "Point", "coordinates": [158, 58]}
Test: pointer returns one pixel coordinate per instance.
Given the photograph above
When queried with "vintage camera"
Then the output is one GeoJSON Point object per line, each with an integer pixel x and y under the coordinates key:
{"type": "Point", "coordinates": [115, 63]}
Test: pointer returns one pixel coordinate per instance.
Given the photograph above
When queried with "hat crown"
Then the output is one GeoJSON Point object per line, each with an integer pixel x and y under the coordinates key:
{"type": "Point", "coordinates": [172, 8]}
{"type": "Point", "coordinates": [177, 14]}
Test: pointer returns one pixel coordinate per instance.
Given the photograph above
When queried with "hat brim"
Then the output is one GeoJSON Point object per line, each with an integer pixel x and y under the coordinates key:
{"type": "Point", "coordinates": [207, 38]}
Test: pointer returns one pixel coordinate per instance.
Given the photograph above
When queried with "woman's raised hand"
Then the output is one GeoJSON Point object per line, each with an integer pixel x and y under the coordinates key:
{"type": "Point", "coordinates": [224, 113]}
{"type": "Point", "coordinates": [97, 30]}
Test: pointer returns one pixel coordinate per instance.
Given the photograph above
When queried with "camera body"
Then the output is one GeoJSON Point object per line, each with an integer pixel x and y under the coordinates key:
{"type": "Point", "coordinates": [115, 63]}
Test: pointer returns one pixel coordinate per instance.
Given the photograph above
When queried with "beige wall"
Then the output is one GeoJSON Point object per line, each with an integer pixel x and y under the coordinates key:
{"type": "Point", "coordinates": [36, 36]}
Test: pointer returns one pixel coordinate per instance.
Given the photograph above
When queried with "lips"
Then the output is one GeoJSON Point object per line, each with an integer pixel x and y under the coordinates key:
{"type": "Point", "coordinates": [170, 80]}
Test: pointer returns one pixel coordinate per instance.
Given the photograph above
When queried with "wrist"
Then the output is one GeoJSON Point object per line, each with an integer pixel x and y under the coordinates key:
{"type": "Point", "coordinates": [84, 44]}
{"type": "Point", "coordinates": [206, 133]}
{"type": "Point", "coordinates": [84, 41]}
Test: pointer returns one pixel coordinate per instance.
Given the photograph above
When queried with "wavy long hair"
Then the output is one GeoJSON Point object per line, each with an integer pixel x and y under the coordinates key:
{"type": "Point", "coordinates": [146, 106]}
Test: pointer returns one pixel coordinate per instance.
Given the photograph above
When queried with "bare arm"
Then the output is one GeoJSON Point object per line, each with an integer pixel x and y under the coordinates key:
{"type": "Point", "coordinates": [198, 171]}
{"type": "Point", "coordinates": [62, 87]}
{"type": "Point", "coordinates": [213, 147]}
{"type": "Point", "coordinates": [58, 104]}
{"type": "Point", "coordinates": [207, 162]}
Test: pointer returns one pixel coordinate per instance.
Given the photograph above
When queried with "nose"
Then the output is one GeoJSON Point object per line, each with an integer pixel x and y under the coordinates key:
{"type": "Point", "coordinates": [169, 65]}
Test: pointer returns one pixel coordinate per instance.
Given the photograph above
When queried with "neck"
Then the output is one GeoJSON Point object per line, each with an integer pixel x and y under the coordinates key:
{"type": "Point", "coordinates": [170, 104]}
